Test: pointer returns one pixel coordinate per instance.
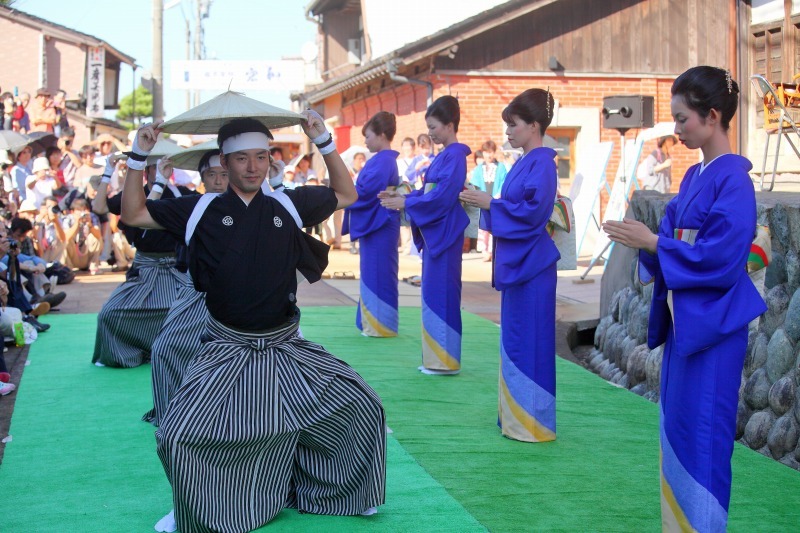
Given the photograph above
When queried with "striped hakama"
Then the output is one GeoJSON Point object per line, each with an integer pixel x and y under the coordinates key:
{"type": "Point", "coordinates": [377, 314]}
{"type": "Point", "coordinates": [527, 392]}
{"type": "Point", "coordinates": [441, 309]}
{"type": "Point", "coordinates": [265, 421]}
{"type": "Point", "coordinates": [175, 347]}
{"type": "Point", "coordinates": [130, 320]}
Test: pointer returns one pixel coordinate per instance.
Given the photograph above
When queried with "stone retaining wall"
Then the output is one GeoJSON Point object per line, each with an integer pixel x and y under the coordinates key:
{"type": "Point", "coordinates": [769, 396]}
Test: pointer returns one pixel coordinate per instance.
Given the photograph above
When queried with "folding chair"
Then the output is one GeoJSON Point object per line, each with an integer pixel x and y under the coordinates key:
{"type": "Point", "coordinates": [777, 118]}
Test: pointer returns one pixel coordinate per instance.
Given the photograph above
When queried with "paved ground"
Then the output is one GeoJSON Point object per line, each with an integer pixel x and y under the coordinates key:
{"type": "Point", "coordinates": [577, 302]}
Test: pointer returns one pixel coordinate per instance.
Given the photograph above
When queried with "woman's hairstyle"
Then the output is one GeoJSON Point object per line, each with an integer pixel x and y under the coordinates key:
{"type": "Point", "coordinates": [382, 123]}
{"type": "Point", "coordinates": [489, 146]}
{"type": "Point", "coordinates": [410, 141]}
{"type": "Point", "coordinates": [20, 225]}
{"type": "Point", "coordinates": [477, 155]}
{"type": "Point", "coordinates": [239, 126]}
{"type": "Point", "coordinates": [663, 140]}
{"type": "Point", "coordinates": [86, 150]}
{"type": "Point", "coordinates": [424, 140]}
{"type": "Point", "coordinates": [52, 150]}
{"type": "Point", "coordinates": [533, 105]}
{"type": "Point", "coordinates": [446, 110]}
{"type": "Point", "coordinates": [705, 88]}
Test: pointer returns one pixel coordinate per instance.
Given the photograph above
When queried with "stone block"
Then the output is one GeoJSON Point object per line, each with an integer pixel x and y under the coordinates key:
{"type": "Point", "coordinates": [757, 356]}
{"type": "Point", "coordinates": [792, 318]}
{"type": "Point", "coordinates": [780, 355]}
{"type": "Point", "coordinates": [783, 436]}
{"type": "Point", "coordinates": [756, 391]}
{"type": "Point", "coordinates": [757, 430]}
{"type": "Point", "coordinates": [781, 395]}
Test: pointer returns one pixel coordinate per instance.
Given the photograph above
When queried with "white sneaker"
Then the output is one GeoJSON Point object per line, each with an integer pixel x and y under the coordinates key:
{"type": "Point", "coordinates": [7, 388]}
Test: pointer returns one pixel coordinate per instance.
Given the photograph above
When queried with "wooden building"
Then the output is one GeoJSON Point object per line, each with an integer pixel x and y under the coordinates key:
{"type": "Point", "coordinates": [40, 53]}
{"type": "Point", "coordinates": [583, 51]}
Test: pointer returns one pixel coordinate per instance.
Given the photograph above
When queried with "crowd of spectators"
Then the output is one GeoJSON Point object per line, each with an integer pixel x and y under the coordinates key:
{"type": "Point", "coordinates": [49, 231]}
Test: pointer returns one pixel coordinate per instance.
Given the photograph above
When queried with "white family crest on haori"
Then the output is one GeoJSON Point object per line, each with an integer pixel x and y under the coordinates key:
{"type": "Point", "coordinates": [228, 221]}
{"type": "Point", "coordinates": [278, 222]}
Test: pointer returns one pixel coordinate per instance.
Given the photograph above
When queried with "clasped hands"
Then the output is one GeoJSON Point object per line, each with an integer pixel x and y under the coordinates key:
{"type": "Point", "coordinates": [392, 200]}
{"type": "Point", "coordinates": [632, 234]}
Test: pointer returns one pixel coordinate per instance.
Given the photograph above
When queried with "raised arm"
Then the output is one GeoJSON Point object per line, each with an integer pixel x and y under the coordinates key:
{"type": "Point", "coordinates": [100, 202]}
{"type": "Point", "coordinates": [340, 180]}
{"type": "Point", "coordinates": [163, 173]}
{"type": "Point", "coordinates": [134, 208]}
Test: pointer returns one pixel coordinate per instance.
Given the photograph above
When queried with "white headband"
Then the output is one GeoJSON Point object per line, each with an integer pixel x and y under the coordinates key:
{"type": "Point", "coordinates": [213, 161]}
{"type": "Point", "coordinates": [245, 141]}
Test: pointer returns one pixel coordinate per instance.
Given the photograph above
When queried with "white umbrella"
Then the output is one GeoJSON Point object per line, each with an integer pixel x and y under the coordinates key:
{"type": "Point", "coordinates": [347, 155]}
{"type": "Point", "coordinates": [189, 158]}
{"type": "Point", "coordinates": [210, 116]}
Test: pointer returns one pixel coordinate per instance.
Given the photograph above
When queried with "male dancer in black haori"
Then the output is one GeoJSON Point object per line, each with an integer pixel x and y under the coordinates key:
{"type": "Point", "coordinates": [264, 419]}
{"type": "Point", "coordinates": [131, 318]}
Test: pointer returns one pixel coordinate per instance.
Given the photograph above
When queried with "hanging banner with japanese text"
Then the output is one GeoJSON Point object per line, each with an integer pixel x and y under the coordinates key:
{"type": "Point", "coordinates": [95, 83]}
{"type": "Point", "coordinates": [284, 75]}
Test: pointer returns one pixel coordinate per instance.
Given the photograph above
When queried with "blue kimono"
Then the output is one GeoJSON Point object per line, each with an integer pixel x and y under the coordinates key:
{"type": "Point", "coordinates": [437, 224]}
{"type": "Point", "coordinates": [703, 300]}
{"type": "Point", "coordinates": [525, 260]}
{"type": "Point", "coordinates": [378, 232]}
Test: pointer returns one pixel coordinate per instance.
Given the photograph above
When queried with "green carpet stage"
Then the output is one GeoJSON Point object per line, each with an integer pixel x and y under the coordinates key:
{"type": "Point", "coordinates": [82, 461]}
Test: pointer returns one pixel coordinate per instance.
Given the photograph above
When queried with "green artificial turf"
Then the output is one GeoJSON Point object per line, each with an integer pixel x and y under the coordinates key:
{"type": "Point", "coordinates": [81, 460]}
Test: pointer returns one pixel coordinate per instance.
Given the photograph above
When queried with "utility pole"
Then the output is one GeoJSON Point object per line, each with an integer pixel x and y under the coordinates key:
{"type": "Point", "coordinates": [158, 58]}
{"type": "Point", "coordinates": [198, 42]}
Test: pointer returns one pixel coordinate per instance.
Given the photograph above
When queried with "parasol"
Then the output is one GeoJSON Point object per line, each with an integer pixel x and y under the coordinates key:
{"type": "Point", "coordinates": [210, 116]}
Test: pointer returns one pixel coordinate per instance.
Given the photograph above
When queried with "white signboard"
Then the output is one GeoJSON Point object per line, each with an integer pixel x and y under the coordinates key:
{"type": "Point", "coordinates": [620, 191]}
{"type": "Point", "coordinates": [95, 83]}
{"type": "Point", "coordinates": [284, 75]}
{"type": "Point", "coordinates": [590, 179]}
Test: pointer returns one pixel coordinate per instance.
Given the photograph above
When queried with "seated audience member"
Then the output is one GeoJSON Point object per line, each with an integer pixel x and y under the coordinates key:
{"type": "Point", "coordinates": [49, 232]}
{"type": "Point", "coordinates": [84, 240]}
{"type": "Point", "coordinates": [10, 273]}
{"type": "Point", "coordinates": [41, 183]}
{"type": "Point", "coordinates": [32, 267]}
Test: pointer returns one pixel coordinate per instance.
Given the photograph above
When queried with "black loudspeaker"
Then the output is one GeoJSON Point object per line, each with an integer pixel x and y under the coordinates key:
{"type": "Point", "coordinates": [628, 111]}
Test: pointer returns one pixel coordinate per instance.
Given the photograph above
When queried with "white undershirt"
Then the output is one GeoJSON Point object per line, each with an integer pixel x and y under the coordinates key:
{"type": "Point", "coordinates": [703, 166]}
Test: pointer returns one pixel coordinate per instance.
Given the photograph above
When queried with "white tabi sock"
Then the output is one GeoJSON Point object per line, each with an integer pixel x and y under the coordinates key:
{"type": "Point", "coordinates": [371, 511]}
{"type": "Point", "coordinates": [432, 372]}
{"type": "Point", "coordinates": [167, 524]}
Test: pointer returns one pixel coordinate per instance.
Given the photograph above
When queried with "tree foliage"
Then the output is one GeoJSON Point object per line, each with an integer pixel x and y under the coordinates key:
{"type": "Point", "coordinates": [144, 106]}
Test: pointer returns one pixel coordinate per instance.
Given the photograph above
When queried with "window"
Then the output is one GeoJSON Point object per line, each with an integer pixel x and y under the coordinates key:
{"type": "Point", "coordinates": [562, 140]}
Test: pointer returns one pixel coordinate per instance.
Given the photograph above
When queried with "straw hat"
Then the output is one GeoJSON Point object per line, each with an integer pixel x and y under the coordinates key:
{"type": "Point", "coordinates": [163, 148]}
{"type": "Point", "coordinates": [212, 115]}
{"type": "Point", "coordinates": [40, 163]}
{"type": "Point", "coordinates": [189, 158]}
{"type": "Point", "coordinates": [27, 205]}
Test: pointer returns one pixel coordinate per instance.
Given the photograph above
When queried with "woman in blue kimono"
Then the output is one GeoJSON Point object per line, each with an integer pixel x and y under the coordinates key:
{"type": "Point", "coordinates": [437, 223]}
{"type": "Point", "coordinates": [378, 231]}
{"type": "Point", "coordinates": [702, 303]}
{"type": "Point", "coordinates": [525, 260]}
